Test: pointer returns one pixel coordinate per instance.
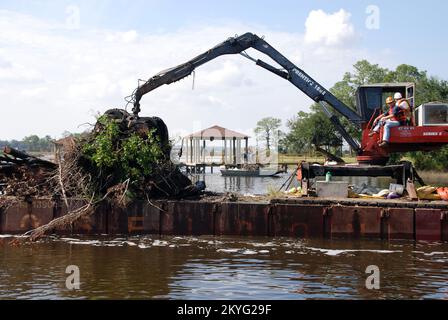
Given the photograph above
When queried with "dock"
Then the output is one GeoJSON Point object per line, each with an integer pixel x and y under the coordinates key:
{"type": "Point", "coordinates": [201, 167]}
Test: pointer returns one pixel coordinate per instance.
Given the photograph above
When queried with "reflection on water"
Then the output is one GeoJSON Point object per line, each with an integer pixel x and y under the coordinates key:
{"type": "Point", "coordinates": [253, 185]}
{"type": "Point", "coordinates": [261, 185]}
{"type": "Point", "coordinates": [222, 268]}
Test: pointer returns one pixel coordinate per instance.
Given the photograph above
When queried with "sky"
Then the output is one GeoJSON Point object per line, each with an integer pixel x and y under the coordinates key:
{"type": "Point", "coordinates": [64, 62]}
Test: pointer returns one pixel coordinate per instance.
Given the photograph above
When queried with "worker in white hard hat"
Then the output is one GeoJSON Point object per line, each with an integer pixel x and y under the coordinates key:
{"type": "Point", "coordinates": [404, 105]}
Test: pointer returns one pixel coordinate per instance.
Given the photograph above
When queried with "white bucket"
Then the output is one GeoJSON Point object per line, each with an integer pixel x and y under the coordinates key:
{"type": "Point", "coordinates": [397, 188]}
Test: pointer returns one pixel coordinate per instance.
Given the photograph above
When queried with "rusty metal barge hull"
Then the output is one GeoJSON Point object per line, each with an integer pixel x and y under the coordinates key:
{"type": "Point", "coordinates": [302, 217]}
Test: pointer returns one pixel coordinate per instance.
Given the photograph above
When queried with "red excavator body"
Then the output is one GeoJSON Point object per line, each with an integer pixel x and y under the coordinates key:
{"type": "Point", "coordinates": [427, 130]}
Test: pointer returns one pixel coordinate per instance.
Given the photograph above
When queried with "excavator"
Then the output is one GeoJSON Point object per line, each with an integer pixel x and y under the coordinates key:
{"type": "Point", "coordinates": [427, 131]}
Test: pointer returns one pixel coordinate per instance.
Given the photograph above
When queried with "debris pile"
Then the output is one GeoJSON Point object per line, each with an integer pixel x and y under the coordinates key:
{"type": "Point", "coordinates": [121, 159]}
{"type": "Point", "coordinates": [22, 174]}
{"type": "Point", "coordinates": [250, 167]}
{"type": "Point", "coordinates": [127, 156]}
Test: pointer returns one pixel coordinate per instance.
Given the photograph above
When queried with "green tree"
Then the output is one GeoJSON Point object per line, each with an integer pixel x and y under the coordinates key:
{"type": "Point", "coordinates": [266, 129]}
{"type": "Point", "coordinates": [282, 142]}
{"type": "Point", "coordinates": [45, 143]}
{"type": "Point", "coordinates": [432, 161]}
{"type": "Point", "coordinates": [32, 142]}
{"type": "Point", "coordinates": [313, 128]}
{"type": "Point", "coordinates": [365, 73]}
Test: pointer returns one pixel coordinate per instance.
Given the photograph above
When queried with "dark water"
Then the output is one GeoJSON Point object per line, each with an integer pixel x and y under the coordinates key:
{"type": "Point", "coordinates": [222, 268]}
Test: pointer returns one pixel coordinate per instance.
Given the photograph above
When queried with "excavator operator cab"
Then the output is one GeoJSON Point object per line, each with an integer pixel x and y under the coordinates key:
{"type": "Point", "coordinates": [370, 99]}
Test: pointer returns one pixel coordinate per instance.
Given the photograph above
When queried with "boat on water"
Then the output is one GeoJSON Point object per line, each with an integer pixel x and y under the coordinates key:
{"type": "Point", "coordinates": [249, 172]}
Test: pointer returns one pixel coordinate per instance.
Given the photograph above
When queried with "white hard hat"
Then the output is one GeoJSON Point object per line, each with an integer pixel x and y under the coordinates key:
{"type": "Point", "coordinates": [397, 96]}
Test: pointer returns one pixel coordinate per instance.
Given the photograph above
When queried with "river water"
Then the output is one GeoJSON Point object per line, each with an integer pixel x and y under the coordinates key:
{"type": "Point", "coordinates": [145, 267]}
{"type": "Point", "coordinates": [262, 185]}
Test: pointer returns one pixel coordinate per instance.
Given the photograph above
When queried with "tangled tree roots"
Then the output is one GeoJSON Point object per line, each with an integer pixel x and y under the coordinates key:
{"type": "Point", "coordinates": [62, 222]}
{"type": "Point", "coordinates": [133, 150]}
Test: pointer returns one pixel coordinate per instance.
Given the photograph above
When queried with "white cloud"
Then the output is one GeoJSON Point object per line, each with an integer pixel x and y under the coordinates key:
{"type": "Point", "coordinates": [35, 92]}
{"type": "Point", "coordinates": [54, 79]}
{"type": "Point", "coordinates": [10, 71]}
{"type": "Point", "coordinates": [223, 73]}
{"type": "Point", "coordinates": [126, 37]}
{"type": "Point", "coordinates": [4, 63]}
{"type": "Point", "coordinates": [329, 28]}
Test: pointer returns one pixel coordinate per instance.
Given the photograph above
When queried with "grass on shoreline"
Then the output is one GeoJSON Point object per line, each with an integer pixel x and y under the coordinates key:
{"type": "Point", "coordinates": [290, 158]}
{"type": "Point", "coordinates": [434, 178]}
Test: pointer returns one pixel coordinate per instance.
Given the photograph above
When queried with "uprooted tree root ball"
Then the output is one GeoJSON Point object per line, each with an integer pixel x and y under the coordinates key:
{"type": "Point", "coordinates": [131, 151]}
{"type": "Point", "coordinates": [122, 159]}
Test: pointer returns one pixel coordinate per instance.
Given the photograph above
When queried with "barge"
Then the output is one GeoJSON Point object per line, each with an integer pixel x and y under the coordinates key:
{"type": "Point", "coordinates": [296, 217]}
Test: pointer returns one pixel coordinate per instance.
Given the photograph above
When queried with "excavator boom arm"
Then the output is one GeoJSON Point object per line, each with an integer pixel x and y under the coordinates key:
{"type": "Point", "coordinates": [230, 46]}
{"type": "Point", "coordinates": [290, 72]}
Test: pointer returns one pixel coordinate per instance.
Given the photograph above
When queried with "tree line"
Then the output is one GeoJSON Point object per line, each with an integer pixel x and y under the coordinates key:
{"type": "Point", "coordinates": [32, 143]}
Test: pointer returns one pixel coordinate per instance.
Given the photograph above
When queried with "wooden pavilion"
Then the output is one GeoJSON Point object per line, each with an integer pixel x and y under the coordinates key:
{"type": "Point", "coordinates": [232, 149]}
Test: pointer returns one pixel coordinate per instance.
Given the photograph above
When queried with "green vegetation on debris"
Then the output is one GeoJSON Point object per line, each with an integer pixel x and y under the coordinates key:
{"type": "Point", "coordinates": [131, 157]}
{"type": "Point", "coordinates": [101, 149]}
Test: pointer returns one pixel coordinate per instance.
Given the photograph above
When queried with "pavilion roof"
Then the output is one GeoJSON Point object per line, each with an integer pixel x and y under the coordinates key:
{"type": "Point", "coordinates": [217, 132]}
